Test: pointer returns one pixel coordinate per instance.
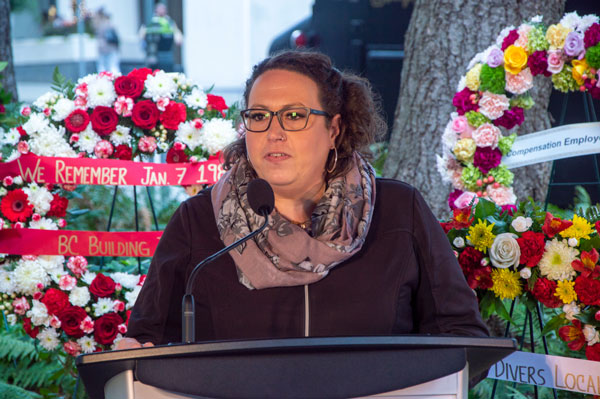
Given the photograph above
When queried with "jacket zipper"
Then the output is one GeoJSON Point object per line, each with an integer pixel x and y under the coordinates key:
{"type": "Point", "coordinates": [306, 312]}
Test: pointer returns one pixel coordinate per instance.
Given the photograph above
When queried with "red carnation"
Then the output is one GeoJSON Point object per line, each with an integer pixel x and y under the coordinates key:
{"type": "Point", "coordinates": [510, 118]}
{"type": "Point", "coordinates": [463, 102]}
{"type": "Point", "coordinates": [77, 121]}
{"type": "Point", "coordinates": [216, 102]}
{"type": "Point", "coordinates": [129, 86]}
{"type": "Point", "coordinates": [452, 197]}
{"type": "Point", "coordinates": [538, 63]}
{"type": "Point", "coordinates": [544, 290]}
{"type": "Point", "coordinates": [588, 290]}
{"type": "Point", "coordinates": [58, 206]}
{"type": "Point", "coordinates": [106, 328]}
{"type": "Point", "coordinates": [532, 248]}
{"type": "Point", "coordinates": [70, 320]}
{"type": "Point", "coordinates": [104, 120]}
{"type": "Point", "coordinates": [145, 114]}
{"type": "Point", "coordinates": [510, 39]}
{"type": "Point", "coordinates": [124, 152]}
{"type": "Point", "coordinates": [55, 300]}
{"type": "Point", "coordinates": [173, 115]}
{"type": "Point", "coordinates": [102, 286]}
{"type": "Point", "coordinates": [176, 156]}
{"type": "Point", "coordinates": [140, 74]}
{"type": "Point", "coordinates": [32, 332]}
{"type": "Point", "coordinates": [487, 158]}
{"type": "Point", "coordinates": [15, 206]}
{"type": "Point", "coordinates": [592, 352]}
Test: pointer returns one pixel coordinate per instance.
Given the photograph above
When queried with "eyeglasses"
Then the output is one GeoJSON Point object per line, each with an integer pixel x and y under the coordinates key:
{"type": "Point", "coordinates": [292, 119]}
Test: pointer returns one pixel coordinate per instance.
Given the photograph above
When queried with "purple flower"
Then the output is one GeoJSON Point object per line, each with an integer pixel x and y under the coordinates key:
{"type": "Point", "coordinates": [495, 58]}
{"type": "Point", "coordinates": [463, 103]}
{"type": "Point", "coordinates": [452, 197]}
{"type": "Point", "coordinates": [538, 63]}
{"type": "Point", "coordinates": [486, 158]}
{"type": "Point", "coordinates": [511, 38]}
{"type": "Point", "coordinates": [592, 35]}
{"type": "Point", "coordinates": [573, 44]}
{"type": "Point", "coordinates": [510, 118]}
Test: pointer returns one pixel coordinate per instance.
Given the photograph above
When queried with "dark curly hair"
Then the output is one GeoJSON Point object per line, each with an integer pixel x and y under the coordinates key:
{"type": "Point", "coordinates": [342, 93]}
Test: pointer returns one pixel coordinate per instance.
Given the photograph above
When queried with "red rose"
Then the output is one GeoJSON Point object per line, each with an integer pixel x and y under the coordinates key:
{"type": "Point", "coordinates": [145, 114]}
{"type": "Point", "coordinates": [216, 102]}
{"type": "Point", "coordinates": [173, 115]}
{"type": "Point", "coordinates": [58, 206]}
{"type": "Point", "coordinates": [176, 156]}
{"type": "Point", "coordinates": [77, 121]}
{"type": "Point", "coordinates": [140, 74]}
{"type": "Point", "coordinates": [532, 248]}
{"type": "Point", "coordinates": [32, 332]}
{"type": "Point", "coordinates": [55, 300]}
{"type": "Point", "coordinates": [129, 86]}
{"type": "Point", "coordinates": [102, 286]}
{"type": "Point", "coordinates": [124, 152]}
{"type": "Point", "coordinates": [588, 290]}
{"type": "Point", "coordinates": [106, 328]}
{"type": "Point", "coordinates": [104, 120]}
{"type": "Point", "coordinates": [592, 352]}
{"type": "Point", "coordinates": [70, 320]}
{"type": "Point", "coordinates": [543, 290]}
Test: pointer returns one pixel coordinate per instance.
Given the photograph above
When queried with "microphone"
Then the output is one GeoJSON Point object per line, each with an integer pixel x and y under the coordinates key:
{"type": "Point", "coordinates": [262, 201]}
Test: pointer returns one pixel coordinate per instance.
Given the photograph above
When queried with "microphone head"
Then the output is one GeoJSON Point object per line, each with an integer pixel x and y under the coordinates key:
{"type": "Point", "coordinates": [260, 196]}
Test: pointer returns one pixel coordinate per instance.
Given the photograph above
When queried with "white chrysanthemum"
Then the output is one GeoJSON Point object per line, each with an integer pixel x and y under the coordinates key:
{"type": "Point", "coordinates": [8, 285]}
{"type": "Point", "coordinates": [39, 197]}
{"type": "Point", "coordinates": [43, 224]}
{"type": "Point", "coordinates": [586, 21]}
{"type": "Point", "coordinates": [187, 134]}
{"type": "Point", "coordinates": [13, 155]}
{"type": "Point", "coordinates": [88, 140]}
{"type": "Point", "coordinates": [38, 314]}
{"type": "Point", "coordinates": [196, 99]}
{"type": "Point", "coordinates": [127, 280]}
{"type": "Point", "coordinates": [503, 33]}
{"type": "Point", "coordinates": [556, 261]}
{"type": "Point", "coordinates": [51, 143]}
{"type": "Point", "coordinates": [37, 123]}
{"type": "Point", "coordinates": [79, 296]}
{"type": "Point", "coordinates": [570, 20]}
{"type": "Point", "coordinates": [160, 85]}
{"type": "Point", "coordinates": [88, 345]}
{"type": "Point", "coordinates": [45, 100]}
{"type": "Point", "coordinates": [11, 137]}
{"type": "Point", "coordinates": [88, 277]}
{"type": "Point", "coordinates": [51, 262]}
{"type": "Point", "coordinates": [101, 91]}
{"type": "Point", "coordinates": [104, 305]}
{"type": "Point", "coordinates": [28, 274]}
{"type": "Point", "coordinates": [120, 135]}
{"type": "Point", "coordinates": [12, 319]}
{"type": "Point", "coordinates": [440, 163]}
{"type": "Point", "coordinates": [56, 274]}
{"type": "Point", "coordinates": [449, 137]}
{"type": "Point", "coordinates": [48, 338]}
{"type": "Point", "coordinates": [462, 83]}
{"type": "Point", "coordinates": [62, 109]}
{"type": "Point", "coordinates": [216, 134]}
{"type": "Point", "coordinates": [131, 296]}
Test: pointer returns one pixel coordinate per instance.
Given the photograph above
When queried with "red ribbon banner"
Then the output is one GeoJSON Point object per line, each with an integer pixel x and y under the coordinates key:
{"type": "Point", "coordinates": [110, 172]}
{"type": "Point", "coordinates": [72, 242]}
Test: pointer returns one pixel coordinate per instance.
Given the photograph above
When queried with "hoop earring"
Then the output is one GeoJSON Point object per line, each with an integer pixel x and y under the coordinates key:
{"type": "Point", "coordinates": [334, 161]}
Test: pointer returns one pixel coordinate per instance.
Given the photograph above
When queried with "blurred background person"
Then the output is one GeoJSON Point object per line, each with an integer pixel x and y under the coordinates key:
{"type": "Point", "coordinates": [108, 42]}
{"type": "Point", "coordinates": [158, 38]}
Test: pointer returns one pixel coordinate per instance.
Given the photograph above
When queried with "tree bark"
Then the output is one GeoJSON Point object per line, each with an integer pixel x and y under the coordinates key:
{"type": "Point", "coordinates": [7, 81]}
{"type": "Point", "coordinates": [442, 37]}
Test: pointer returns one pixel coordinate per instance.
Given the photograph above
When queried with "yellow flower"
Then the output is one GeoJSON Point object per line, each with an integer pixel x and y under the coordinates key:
{"type": "Point", "coordinates": [472, 78]}
{"type": "Point", "coordinates": [481, 236]}
{"type": "Point", "coordinates": [580, 228]}
{"type": "Point", "coordinates": [506, 283]}
{"type": "Point", "coordinates": [464, 149]}
{"type": "Point", "coordinates": [565, 291]}
{"type": "Point", "coordinates": [556, 35]}
{"type": "Point", "coordinates": [515, 59]}
{"type": "Point", "coordinates": [579, 68]}
{"type": "Point", "coordinates": [556, 261]}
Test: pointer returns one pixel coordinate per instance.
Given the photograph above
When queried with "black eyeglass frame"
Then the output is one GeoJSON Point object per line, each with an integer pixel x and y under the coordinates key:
{"type": "Point", "coordinates": [278, 115]}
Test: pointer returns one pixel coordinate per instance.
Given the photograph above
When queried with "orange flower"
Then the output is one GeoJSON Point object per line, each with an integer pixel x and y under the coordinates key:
{"type": "Point", "coordinates": [588, 264]}
{"type": "Point", "coordinates": [553, 226]}
{"type": "Point", "coordinates": [572, 335]}
{"type": "Point", "coordinates": [462, 218]}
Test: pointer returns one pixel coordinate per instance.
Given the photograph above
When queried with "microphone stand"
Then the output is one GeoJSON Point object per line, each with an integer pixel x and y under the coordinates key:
{"type": "Point", "coordinates": [188, 317]}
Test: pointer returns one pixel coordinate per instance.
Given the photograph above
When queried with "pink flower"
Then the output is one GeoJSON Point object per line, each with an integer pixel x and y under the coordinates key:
{"type": "Point", "coordinates": [178, 146]}
{"type": "Point", "coordinates": [486, 135]}
{"type": "Point", "coordinates": [80, 102]}
{"type": "Point", "coordinates": [20, 306]}
{"type": "Point", "coordinates": [201, 112]}
{"type": "Point", "coordinates": [555, 61]}
{"type": "Point", "coordinates": [123, 106]}
{"type": "Point", "coordinates": [142, 280]}
{"type": "Point", "coordinates": [194, 159]}
{"type": "Point", "coordinates": [37, 295]}
{"type": "Point", "coordinates": [81, 90]}
{"type": "Point", "coordinates": [67, 283]}
{"type": "Point", "coordinates": [26, 111]}
{"type": "Point", "coordinates": [47, 111]}
{"type": "Point", "coordinates": [29, 257]}
{"type": "Point", "coordinates": [87, 325]}
{"type": "Point", "coordinates": [118, 306]}
{"type": "Point", "coordinates": [55, 321]}
{"type": "Point", "coordinates": [36, 217]}
{"type": "Point", "coordinates": [197, 123]}
{"type": "Point", "coordinates": [74, 138]}
{"type": "Point", "coordinates": [107, 74]}
{"type": "Point", "coordinates": [523, 32]}
{"type": "Point", "coordinates": [519, 83]}
{"type": "Point", "coordinates": [8, 180]}
{"type": "Point", "coordinates": [466, 199]}
{"type": "Point", "coordinates": [162, 103]}
{"type": "Point", "coordinates": [72, 348]}
{"type": "Point", "coordinates": [460, 124]}
{"type": "Point", "coordinates": [62, 223]}
{"type": "Point", "coordinates": [78, 265]}
{"type": "Point", "coordinates": [23, 147]}
{"type": "Point", "coordinates": [493, 105]}
{"type": "Point", "coordinates": [147, 144]}
{"type": "Point", "coordinates": [103, 149]}
{"type": "Point", "coordinates": [501, 195]}
{"type": "Point", "coordinates": [122, 328]}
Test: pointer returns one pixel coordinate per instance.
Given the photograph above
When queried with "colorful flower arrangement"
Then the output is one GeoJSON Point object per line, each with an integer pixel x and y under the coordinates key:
{"type": "Point", "coordinates": [533, 256]}
{"type": "Point", "coordinates": [110, 116]}
{"type": "Point", "coordinates": [492, 96]}
{"type": "Point", "coordinates": [68, 309]}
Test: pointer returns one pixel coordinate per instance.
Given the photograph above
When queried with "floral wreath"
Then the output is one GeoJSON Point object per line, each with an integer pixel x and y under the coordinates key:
{"type": "Point", "coordinates": [492, 96]}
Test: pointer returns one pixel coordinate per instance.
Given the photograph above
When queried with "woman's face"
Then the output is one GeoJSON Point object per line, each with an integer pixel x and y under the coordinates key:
{"type": "Point", "coordinates": [292, 162]}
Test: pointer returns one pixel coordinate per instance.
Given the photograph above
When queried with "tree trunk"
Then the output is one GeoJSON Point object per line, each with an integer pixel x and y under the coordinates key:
{"type": "Point", "coordinates": [7, 81]}
{"type": "Point", "coordinates": [442, 37]}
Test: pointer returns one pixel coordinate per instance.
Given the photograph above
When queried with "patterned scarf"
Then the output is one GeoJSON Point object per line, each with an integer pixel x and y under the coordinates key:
{"type": "Point", "coordinates": [284, 254]}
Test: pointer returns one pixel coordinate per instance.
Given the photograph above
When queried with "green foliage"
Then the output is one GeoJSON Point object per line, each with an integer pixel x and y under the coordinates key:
{"type": "Point", "coordinates": [61, 84]}
{"type": "Point", "coordinates": [492, 79]}
{"type": "Point", "coordinates": [9, 391]}
{"type": "Point", "coordinates": [592, 56]}
{"type": "Point", "coordinates": [380, 152]}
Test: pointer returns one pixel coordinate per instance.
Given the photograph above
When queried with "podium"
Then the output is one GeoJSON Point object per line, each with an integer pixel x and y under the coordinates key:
{"type": "Point", "coordinates": [407, 366]}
